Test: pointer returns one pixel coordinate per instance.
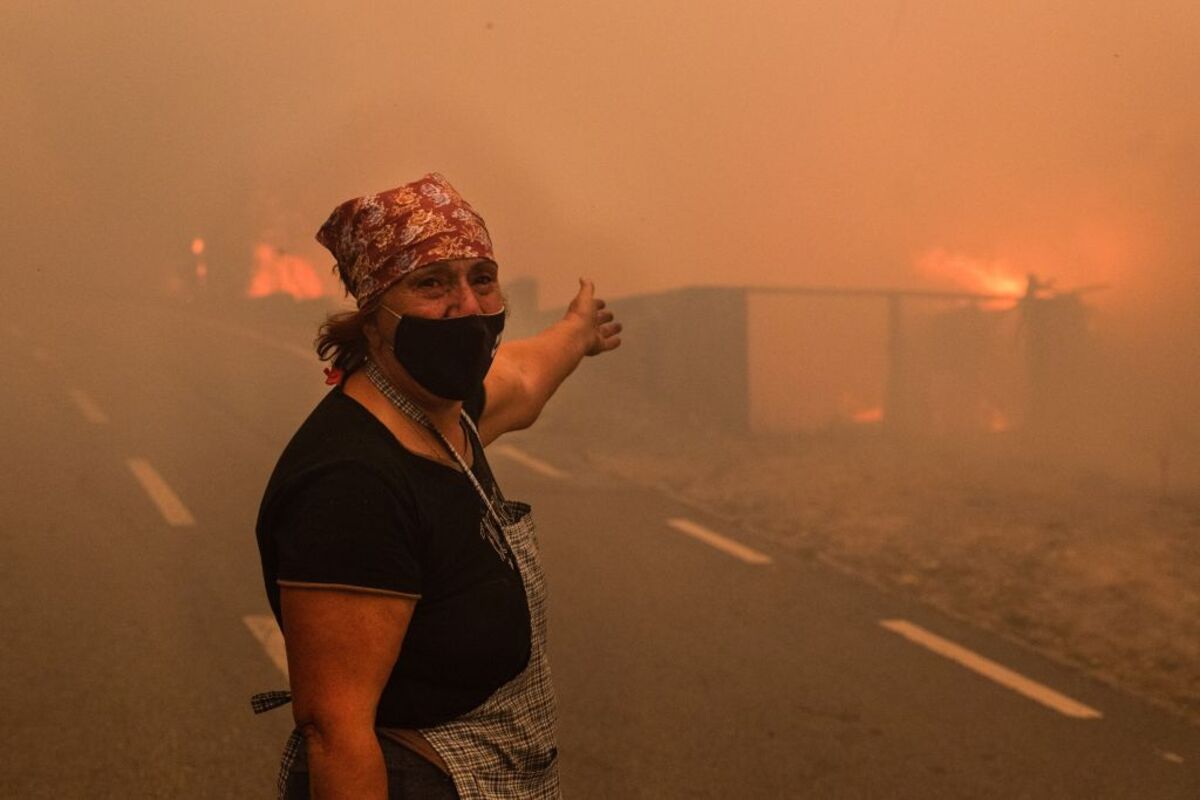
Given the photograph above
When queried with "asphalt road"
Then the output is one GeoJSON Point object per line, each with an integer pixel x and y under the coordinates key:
{"type": "Point", "coordinates": [136, 444]}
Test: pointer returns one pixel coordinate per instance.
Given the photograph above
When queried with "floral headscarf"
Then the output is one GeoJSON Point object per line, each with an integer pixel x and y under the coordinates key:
{"type": "Point", "coordinates": [379, 238]}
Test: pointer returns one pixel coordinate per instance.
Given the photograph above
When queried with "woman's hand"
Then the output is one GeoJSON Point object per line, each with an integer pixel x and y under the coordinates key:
{"type": "Point", "coordinates": [596, 321]}
{"type": "Point", "coordinates": [526, 372]}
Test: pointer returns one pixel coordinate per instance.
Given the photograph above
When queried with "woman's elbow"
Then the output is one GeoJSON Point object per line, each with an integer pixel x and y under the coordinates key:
{"type": "Point", "coordinates": [332, 730]}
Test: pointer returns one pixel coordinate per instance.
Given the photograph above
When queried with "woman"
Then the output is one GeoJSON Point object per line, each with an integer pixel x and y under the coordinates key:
{"type": "Point", "coordinates": [408, 589]}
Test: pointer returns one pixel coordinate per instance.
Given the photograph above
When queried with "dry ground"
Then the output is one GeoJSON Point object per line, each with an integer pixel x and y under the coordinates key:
{"type": "Point", "coordinates": [1088, 570]}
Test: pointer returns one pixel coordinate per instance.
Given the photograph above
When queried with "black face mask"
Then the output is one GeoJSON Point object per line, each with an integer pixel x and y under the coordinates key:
{"type": "Point", "coordinates": [449, 357]}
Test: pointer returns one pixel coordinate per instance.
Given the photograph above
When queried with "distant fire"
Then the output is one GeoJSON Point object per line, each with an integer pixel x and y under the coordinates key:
{"type": "Point", "coordinates": [201, 265]}
{"type": "Point", "coordinates": [868, 415]}
{"type": "Point", "coordinates": [277, 272]}
{"type": "Point", "coordinates": [995, 276]}
{"type": "Point", "coordinates": [997, 420]}
{"type": "Point", "coordinates": [859, 410]}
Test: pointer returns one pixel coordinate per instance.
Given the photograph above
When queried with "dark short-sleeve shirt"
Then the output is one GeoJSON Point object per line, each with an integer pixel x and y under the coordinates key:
{"type": "Point", "coordinates": [349, 506]}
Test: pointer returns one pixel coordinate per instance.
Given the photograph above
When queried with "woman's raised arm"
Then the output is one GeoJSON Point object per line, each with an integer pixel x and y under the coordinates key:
{"type": "Point", "coordinates": [527, 372]}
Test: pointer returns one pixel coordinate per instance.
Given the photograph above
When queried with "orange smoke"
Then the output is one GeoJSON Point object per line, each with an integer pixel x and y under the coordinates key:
{"type": "Point", "coordinates": [996, 276]}
{"type": "Point", "coordinates": [277, 272]}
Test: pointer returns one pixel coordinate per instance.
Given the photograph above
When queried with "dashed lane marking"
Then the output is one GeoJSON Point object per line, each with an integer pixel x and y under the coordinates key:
{"type": "Point", "coordinates": [1174, 758]}
{"type": "Point", "coordinates": [169, 504]}
{"type": "Point", "coordinates": [990, 669]}
{"type": "Point", "coordinates": [91, 412]}
{"type": "Point", "coordinates": [722, 543]}
{"type": "Point", "coordinates": [526, 460]}
{"type": "Point", "coordinates": [267, 632]}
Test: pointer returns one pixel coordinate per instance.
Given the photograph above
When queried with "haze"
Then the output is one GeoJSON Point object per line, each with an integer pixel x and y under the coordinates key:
{"type": "Point", "coordinates": [650, 144]}
{"type": "Point", "coordinates": [653, 146]}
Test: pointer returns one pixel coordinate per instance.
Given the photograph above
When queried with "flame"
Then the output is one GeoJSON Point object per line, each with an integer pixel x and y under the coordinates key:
{"type": "Point", "coordinates": [277, 272]}
{"type": "Point", "coordinates": [996, 276]}
{"type": "Point", "coordinates": [197, 246]}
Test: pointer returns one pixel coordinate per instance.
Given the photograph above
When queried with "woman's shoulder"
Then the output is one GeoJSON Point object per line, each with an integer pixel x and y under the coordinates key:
{"type": "Point", "coordinates": [338, 437]}
{"type": "Point", "coordinates": [340, 427]}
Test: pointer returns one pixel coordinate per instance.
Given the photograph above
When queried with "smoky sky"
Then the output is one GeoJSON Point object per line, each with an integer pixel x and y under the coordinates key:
{"type": "Point", "coordinates": [648, 144]}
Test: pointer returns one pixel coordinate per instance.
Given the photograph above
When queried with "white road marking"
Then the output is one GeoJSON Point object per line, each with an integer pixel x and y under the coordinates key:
{"type": "Point", "coordinates": [270, 637]}
{"type": "Point", "coordinates": [722, 543]}
{"type": "Point", "coordinates": [990, 669]}
{"type": "Point", "coordinates": [91, 412]}
{"type": "Point", "coordinates": [169, 504]}
{"type": "Point", "coordinates": [523, 458]}
{"type": "Point", "coordinates": [1174, 758]}
{"type": "Point", "coordinates": [41, 355]}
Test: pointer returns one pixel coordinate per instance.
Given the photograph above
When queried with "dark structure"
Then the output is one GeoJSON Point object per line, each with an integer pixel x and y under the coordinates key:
{"type": "Point", "coordinates": [951, 363]}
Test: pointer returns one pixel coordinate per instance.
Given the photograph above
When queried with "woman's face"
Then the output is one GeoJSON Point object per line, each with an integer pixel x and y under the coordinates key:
{"type": "Point", "coordinates": [448, 289]}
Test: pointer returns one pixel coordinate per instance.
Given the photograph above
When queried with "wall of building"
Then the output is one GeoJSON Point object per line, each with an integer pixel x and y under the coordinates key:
{"type": "Point", "coordinates": [684, 350]}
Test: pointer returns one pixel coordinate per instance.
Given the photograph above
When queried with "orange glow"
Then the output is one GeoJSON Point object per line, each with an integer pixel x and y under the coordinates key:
{"type": "Point", "coordinates": [868, 415]}
{"type": "Point", "coordinates": [996, 276]}
{"type": "Point", "coordinates": [197, 246]}
{"type": "Point", "coordinates": [276, 272]}
{"type": "Point", "coordinates": [857, 409]}
{"type": "Point", "coordinates": [997, 421]}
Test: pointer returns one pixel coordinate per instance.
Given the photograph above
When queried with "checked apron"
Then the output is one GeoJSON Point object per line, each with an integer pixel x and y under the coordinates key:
{"type": "Point", "coordinates": [505, 748]}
